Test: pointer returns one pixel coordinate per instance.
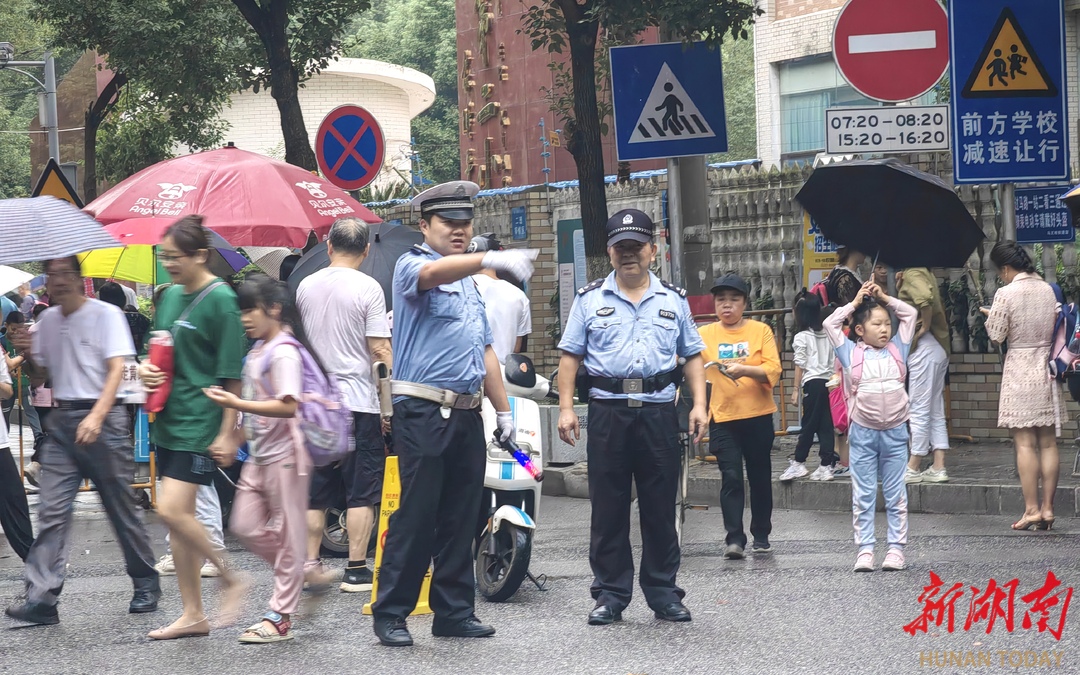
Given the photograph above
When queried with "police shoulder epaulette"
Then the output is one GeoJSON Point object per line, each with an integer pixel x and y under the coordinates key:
{"type": "Point", "coordinates": [592, 286]}
{"type": "Point", "coordinates": [672, 287]}
{"type": "Point", "coordinates": [419, 248]}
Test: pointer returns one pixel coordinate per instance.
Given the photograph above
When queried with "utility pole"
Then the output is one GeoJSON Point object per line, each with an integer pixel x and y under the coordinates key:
{"type": "Point", "coordinates": [47, 110]}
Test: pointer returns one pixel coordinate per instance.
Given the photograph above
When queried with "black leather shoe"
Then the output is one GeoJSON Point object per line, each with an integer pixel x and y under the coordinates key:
{"type": "Point", "coordinates": [34, 612]}
{"type": "Point", "coordinates": [675, 611]}
{"type": "Point", "coordinates": [393, 632]}
{"type": "Point", "coordinates": [470, 627]}
{"type": "Point", "coordinates": [604, 615]}
{"type": "Point", "coordinates": [147, 594]}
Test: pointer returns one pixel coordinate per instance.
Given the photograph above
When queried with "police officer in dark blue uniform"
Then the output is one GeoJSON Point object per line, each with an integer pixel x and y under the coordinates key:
{"type": "Point", "coordinates": [442, 356]}
{"type": "Point", "coordinates": [629, 331]}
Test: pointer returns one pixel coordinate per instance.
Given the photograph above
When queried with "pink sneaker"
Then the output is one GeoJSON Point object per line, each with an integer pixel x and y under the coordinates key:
{"type": "Point", "coordinates": [894, 561]}
{"type": "Point", "coordinates": [865, 562]}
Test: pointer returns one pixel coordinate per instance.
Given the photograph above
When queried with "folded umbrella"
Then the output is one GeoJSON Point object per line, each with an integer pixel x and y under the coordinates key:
{"type": "Point", "coordinates": [892, 211]}
{"type": "Point", "coordinates": [45, 228]}
{"type": "Point", "coordinates": [389, 242]}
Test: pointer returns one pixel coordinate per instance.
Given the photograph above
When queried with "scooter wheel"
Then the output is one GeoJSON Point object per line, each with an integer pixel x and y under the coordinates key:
{"type": "Point", "coordinates": [499, 575]}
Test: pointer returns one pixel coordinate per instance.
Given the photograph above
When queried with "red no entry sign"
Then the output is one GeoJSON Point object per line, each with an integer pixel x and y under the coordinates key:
{"type": "Point", "coordinates": [892, 50]}
{"type": "Point", "coordinates": [350, 147]}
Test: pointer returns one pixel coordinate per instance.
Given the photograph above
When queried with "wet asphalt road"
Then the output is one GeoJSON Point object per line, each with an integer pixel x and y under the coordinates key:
{"type": "Point", "coordinates": [798, 610]}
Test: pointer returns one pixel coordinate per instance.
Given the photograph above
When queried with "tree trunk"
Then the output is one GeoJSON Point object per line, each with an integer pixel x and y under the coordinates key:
{"type": "Point", "coordinates": [95, 115]}
{"type": "Point", "coordinates": [285, 87]}
{"type": "Point", "coordinates": [270, 19]}
{"type": "Point", "coordinates": [585, 142]}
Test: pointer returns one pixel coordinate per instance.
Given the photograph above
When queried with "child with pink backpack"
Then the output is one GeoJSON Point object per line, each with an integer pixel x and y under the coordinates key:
{"type": "Point", "coordinates": [293, 419]}
{"type": "Point", "coordinates": [875, 366]}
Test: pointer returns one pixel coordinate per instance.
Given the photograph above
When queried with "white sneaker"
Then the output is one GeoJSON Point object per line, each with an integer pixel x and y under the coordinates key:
{"type": "Point", "coordinates": [839, 470]}
{"type": "Point", "coordinates": [209, 570]}
{"type": "Point", "coordinates": [165, 566]}
{"type": "Point", "coordinates": [822, 473]}
{"type": "Point", "coordinates": [794, 470]}
{"type": "Point", "coordinates": [865, 562]}
{"type": "Point", "coordinates": [912, 476]}
{"type": "Point", "coordinates": [894, 560]}
{"type": "Point", "coordinates": [932, 475]}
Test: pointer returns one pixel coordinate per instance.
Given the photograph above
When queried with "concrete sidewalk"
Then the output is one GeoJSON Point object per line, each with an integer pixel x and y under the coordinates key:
{"type": "Point", "coordinates": [982, 480]}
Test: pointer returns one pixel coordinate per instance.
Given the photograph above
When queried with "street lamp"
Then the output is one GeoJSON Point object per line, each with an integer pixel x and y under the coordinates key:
{"type": "Point", "coordinates": [47, 112]}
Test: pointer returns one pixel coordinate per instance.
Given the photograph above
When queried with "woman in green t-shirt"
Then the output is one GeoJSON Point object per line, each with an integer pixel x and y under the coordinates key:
{"type": "Point", "coordinates": [192, 432]}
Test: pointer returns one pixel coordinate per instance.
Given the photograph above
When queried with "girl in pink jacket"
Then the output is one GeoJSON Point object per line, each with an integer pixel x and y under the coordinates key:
{"type": "Point", "coordinates": [874, 370]}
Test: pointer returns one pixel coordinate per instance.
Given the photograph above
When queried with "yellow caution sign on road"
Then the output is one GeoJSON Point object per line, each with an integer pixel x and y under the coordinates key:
{"type": "Point", "coordinates": [1008, 65]}
{"type": "Point", "coordinates": [391, 499]}
{"type": "Point", "coordinates": [54, 183]}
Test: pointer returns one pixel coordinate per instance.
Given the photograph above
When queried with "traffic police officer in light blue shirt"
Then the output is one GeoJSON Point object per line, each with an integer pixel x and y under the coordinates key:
{"type": "Point", "coordinates": [442, 356]}
{"type": "Point", "coordinates": [630, 330]}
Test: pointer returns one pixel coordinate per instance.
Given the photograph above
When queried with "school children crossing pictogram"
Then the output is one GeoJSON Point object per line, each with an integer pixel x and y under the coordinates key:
{"type": "Point", "coordinates": [1008, 65]}
{"type": "Point", "coordinates": [669, 113]}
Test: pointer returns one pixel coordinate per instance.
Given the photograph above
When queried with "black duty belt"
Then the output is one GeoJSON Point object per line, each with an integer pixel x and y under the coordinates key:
{"type": "Point", "coordinates": [641, 385]}
{"type": "Point", "coordinates": [77, 404]}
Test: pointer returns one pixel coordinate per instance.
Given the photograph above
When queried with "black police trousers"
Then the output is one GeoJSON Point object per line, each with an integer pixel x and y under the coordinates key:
{"type": "Point", "coordinates": [441, 463]}
{"type": "Point", "coordinates": [642, 444]}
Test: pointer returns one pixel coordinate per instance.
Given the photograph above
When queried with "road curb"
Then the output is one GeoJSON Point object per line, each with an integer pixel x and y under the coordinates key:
{"type": "Point", "coordinates": [835, 495]}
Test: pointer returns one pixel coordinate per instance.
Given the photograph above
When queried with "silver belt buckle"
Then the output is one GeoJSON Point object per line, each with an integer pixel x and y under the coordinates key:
{"type": "Point", "coordinates": [633, 386]}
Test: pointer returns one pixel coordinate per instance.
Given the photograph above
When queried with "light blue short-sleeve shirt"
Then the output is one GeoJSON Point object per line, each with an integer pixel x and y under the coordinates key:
{"type": "Point", "coordinates": [440, 335]}
{"type": "Point", "coordinates": [621, 340]}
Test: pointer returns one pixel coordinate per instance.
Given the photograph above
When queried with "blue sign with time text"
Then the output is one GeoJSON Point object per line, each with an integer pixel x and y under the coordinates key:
{"type": "Point", "coordinates": [1009, 116]}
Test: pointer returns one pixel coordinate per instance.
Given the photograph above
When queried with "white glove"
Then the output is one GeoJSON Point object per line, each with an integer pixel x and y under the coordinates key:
{"type": "Point", "coordinates": [517, 262]}
{"type": "Point", "coordinates": [504, 422]}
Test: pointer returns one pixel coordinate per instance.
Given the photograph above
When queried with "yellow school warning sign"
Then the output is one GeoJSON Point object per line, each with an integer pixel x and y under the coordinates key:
{"type": "Point", "coordinates": [1008, 65]}
{"type": "Point", "coordinates": [54, 184]}
{"type": "Point", "coordinates": [391, 499]}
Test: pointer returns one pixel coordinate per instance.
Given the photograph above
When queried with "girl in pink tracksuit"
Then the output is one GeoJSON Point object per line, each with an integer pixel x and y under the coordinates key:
{"type": "Point", "coordinates": [874, 371]}
{"type": "Point", "coordinates": [269, 514]}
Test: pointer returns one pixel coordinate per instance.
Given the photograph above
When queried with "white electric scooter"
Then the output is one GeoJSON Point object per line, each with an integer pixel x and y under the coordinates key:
{"type": "Point", "coordinates": [511, 498]}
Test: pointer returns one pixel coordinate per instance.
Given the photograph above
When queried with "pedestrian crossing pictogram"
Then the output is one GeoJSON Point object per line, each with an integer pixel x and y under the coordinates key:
{"type": "Point", "coordinates": [670, 113]}
{"type": "Point", "coordinates": [1008, 65]}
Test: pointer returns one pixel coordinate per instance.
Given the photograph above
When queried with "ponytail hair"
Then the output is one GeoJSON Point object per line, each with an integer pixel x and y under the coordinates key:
{"type": "Point", "coordinates": [1012, 254]}
{"type": "Point", "coordinates": [808, 314]}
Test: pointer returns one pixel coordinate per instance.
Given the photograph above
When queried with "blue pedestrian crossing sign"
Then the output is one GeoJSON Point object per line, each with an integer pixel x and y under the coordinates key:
{"type": "Point", "coordinates": [1009, 115]}
{"type": "Point", "coordinates": [668, 101]}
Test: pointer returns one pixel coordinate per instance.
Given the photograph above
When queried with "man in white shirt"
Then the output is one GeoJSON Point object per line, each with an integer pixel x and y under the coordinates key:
{"type": "Point", "coordinates": [506, 305]}
{"type": "Point", "coordinates": [82, 344]}
{"type": "Point", "coordinates": [343, 312]}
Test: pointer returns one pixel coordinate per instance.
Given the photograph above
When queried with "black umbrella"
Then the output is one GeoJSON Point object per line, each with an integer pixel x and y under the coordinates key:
{"type": "Point", "coordinates": [388, 242]}
{"type": "Point", "coordinates": [885, 208]}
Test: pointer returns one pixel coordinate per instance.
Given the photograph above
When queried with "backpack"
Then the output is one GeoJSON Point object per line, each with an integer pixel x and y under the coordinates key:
{"type": "Point", "coordinates": [323, 419]}
{"type": "Point", "coordinates": [858, 356]}
{"type": "Point", "coordinates": [1061, 360]}
{"type": "Point", "coordinates": [821, 290]}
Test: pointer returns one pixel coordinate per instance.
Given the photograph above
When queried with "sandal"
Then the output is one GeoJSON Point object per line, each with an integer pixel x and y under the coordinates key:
{"type": "Point", "coordinates": [1028, 523]}
{"type": "Point", "coordinates": [1046, 524]}
{"type": "Point", "coordinates": [280, 629]}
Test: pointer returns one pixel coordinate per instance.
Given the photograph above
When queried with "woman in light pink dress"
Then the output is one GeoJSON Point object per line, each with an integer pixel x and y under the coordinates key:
{"type": "Point", "coordinates": [1023, 313]}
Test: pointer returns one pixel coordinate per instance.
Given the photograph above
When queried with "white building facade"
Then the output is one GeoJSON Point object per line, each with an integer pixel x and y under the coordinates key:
{"type": "Point", "coordinates": [393, 94]}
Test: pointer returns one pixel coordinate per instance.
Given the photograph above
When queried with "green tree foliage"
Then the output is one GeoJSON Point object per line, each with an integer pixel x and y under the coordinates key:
{"type": "Point", "coordinates": [419, 34]}
{"type": "Point", "coordinates": [740, 101]}
{"type": "Point", "coordinates": [558, 25]}
{"type": "Point", "coordinates": [18, 93]}
{"type": "Point", "coordinates": [294, 39]}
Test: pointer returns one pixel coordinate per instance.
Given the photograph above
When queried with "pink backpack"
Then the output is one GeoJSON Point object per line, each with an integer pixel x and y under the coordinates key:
{"type": "Point", "coordinates": [858, 355]}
